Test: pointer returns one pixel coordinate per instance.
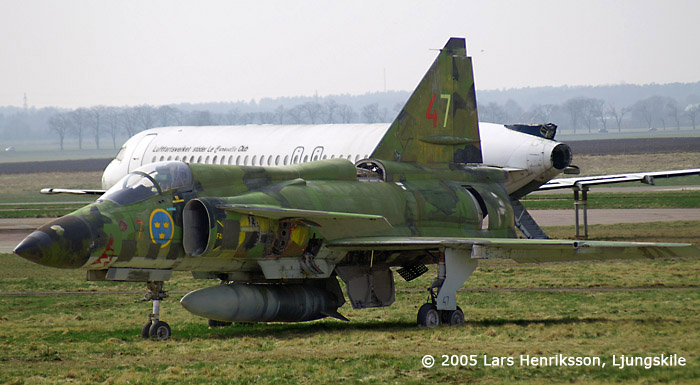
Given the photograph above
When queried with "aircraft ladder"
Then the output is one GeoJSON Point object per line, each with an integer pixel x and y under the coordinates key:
{"type": "Point", "coordinates": [525, 222]}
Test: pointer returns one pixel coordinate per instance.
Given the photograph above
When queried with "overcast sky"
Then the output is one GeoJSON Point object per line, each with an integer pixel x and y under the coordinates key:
{"type": "Point", "coordinates": [115, 52]}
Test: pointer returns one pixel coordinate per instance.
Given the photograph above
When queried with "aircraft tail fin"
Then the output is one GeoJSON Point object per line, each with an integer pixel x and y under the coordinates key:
{"type": "Point", "coordinates": [438, 124]}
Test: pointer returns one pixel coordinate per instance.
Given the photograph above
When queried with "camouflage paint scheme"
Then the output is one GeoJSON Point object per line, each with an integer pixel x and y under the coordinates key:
{"type": "Point", "coordinates": [421, 193]}
{"type": "Point", "coordinates": [439, 125]}
{"type": "Point", "coordinates": [422, 205]}
{"type": "Point", "coordinates": [422, 198]}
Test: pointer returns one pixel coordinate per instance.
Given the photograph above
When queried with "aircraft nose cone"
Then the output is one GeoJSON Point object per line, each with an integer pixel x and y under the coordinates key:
{"type": "Point", "coordinates": [65, 242]}
{"type": "Point", "coordinates": [32, 246]}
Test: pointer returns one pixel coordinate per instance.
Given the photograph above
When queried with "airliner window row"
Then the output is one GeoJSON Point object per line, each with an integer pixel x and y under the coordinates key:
{"type": "Point", "coordinates": [246, 160]}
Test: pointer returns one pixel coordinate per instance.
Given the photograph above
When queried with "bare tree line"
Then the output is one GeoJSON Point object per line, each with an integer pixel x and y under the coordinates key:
{"type": "Point", "coordinates": [104, 126]}
{"type": "Point", "coordinates": [579, 114]}
{"type": "Point", "coordinates": [597, 115]}
{"type": "Point", "coordinates": [99, 121]}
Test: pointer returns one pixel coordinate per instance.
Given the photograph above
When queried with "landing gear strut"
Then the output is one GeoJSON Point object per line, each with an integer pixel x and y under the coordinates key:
{"type": "Point", "coordinates": [155, 328]}
{"type": "Point", "coordinates": [453, 269]}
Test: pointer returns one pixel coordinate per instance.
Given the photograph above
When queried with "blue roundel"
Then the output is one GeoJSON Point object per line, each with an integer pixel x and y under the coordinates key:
{"type": "Point", "coordinates": [161, 225]}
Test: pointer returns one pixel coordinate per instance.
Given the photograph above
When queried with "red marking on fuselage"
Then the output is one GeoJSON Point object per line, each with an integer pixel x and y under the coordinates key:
{"type": "Point", "coordinates": [431, 115]}
{"type": "Point", "coordinates": [107, 256]}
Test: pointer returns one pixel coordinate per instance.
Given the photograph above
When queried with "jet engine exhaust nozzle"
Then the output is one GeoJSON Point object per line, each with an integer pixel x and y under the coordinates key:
{"type": "Point", "coordinates": [561, 156]}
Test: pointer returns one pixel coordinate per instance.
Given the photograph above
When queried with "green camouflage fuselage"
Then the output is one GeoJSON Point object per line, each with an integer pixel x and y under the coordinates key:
{"type": "Point", "coordinates": [415, 201]}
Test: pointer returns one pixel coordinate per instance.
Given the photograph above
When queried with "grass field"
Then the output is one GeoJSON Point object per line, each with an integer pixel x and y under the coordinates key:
{"type": "Point", "coordinates": [48, 150]}
{"type": "Point", "coordinates": [616, 164]}
{"type": "Point", "coordinates": [18, 189]}
{"type": "Point", "coordinates": [635, 308]}
{"type": "Point", "coordinates": [599, 199]}
{"type": "Point", "coordinates": [566, 136]}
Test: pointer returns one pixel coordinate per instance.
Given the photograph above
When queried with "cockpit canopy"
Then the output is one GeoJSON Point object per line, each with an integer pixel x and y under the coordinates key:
{"type": "Point", "coordinates": [148, 181]}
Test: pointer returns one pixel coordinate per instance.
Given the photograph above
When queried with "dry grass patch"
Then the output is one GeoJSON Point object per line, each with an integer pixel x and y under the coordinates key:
{"type": "Point", "coordinates": [617, 164]}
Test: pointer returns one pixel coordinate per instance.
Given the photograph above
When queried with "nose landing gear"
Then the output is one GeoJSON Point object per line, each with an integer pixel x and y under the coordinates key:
{"type": "Point", "coordinates": [155, 328]}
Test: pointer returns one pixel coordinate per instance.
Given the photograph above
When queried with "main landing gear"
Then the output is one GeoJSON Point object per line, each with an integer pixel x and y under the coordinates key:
{"type": "Point", "coordinates": [155, 328]}
{"type": "Point", "coordinates": [453, 269]}
{"type": "Point", "coordinates": [430, 316]}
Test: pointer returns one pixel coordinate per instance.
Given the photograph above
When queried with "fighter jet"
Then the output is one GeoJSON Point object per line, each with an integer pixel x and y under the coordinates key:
{"type": "Point", "coordinates": [278, 238]}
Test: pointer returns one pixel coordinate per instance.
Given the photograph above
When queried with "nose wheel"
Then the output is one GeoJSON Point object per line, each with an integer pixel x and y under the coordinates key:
{"type": "Point", "coordinates": [159, 330]}
{"type": "Point", "coordinates": [154, 327]}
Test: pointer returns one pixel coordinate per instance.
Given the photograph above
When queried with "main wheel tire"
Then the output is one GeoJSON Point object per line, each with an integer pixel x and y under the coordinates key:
{"type": "Point", "coordinates": [145, 330]}
{"type": "Point", "coordinates": [160, 330]}
{"type": "Point", "coordinates": [428, 315]}
{"type": "Point", "coordinates": [453, 317]}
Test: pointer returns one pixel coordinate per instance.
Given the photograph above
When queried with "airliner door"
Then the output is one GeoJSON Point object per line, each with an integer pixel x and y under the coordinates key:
{"type": "Point", "coordinates": [297, 154]}
{"type": "Point", "coordinates": [136, 158]}
{"type": "Point", "coordinates": [317, 153]}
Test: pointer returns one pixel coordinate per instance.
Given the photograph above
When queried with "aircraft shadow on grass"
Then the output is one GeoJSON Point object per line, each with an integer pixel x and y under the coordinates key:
{"type": "Point", "coordinates": [192, 331]}
{"type": "Point", "coordinates": [287, 330]}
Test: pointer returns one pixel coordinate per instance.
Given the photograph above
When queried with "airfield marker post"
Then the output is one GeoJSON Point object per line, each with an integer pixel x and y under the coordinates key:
{"type": "Point", "coordinates": [584, 196]}
{"type": "Point", "coordinates": [582, 201]}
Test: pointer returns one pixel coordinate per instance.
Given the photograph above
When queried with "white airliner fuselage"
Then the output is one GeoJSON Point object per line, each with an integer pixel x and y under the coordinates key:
{"type": "Point", "coordinates": [531, 160]}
